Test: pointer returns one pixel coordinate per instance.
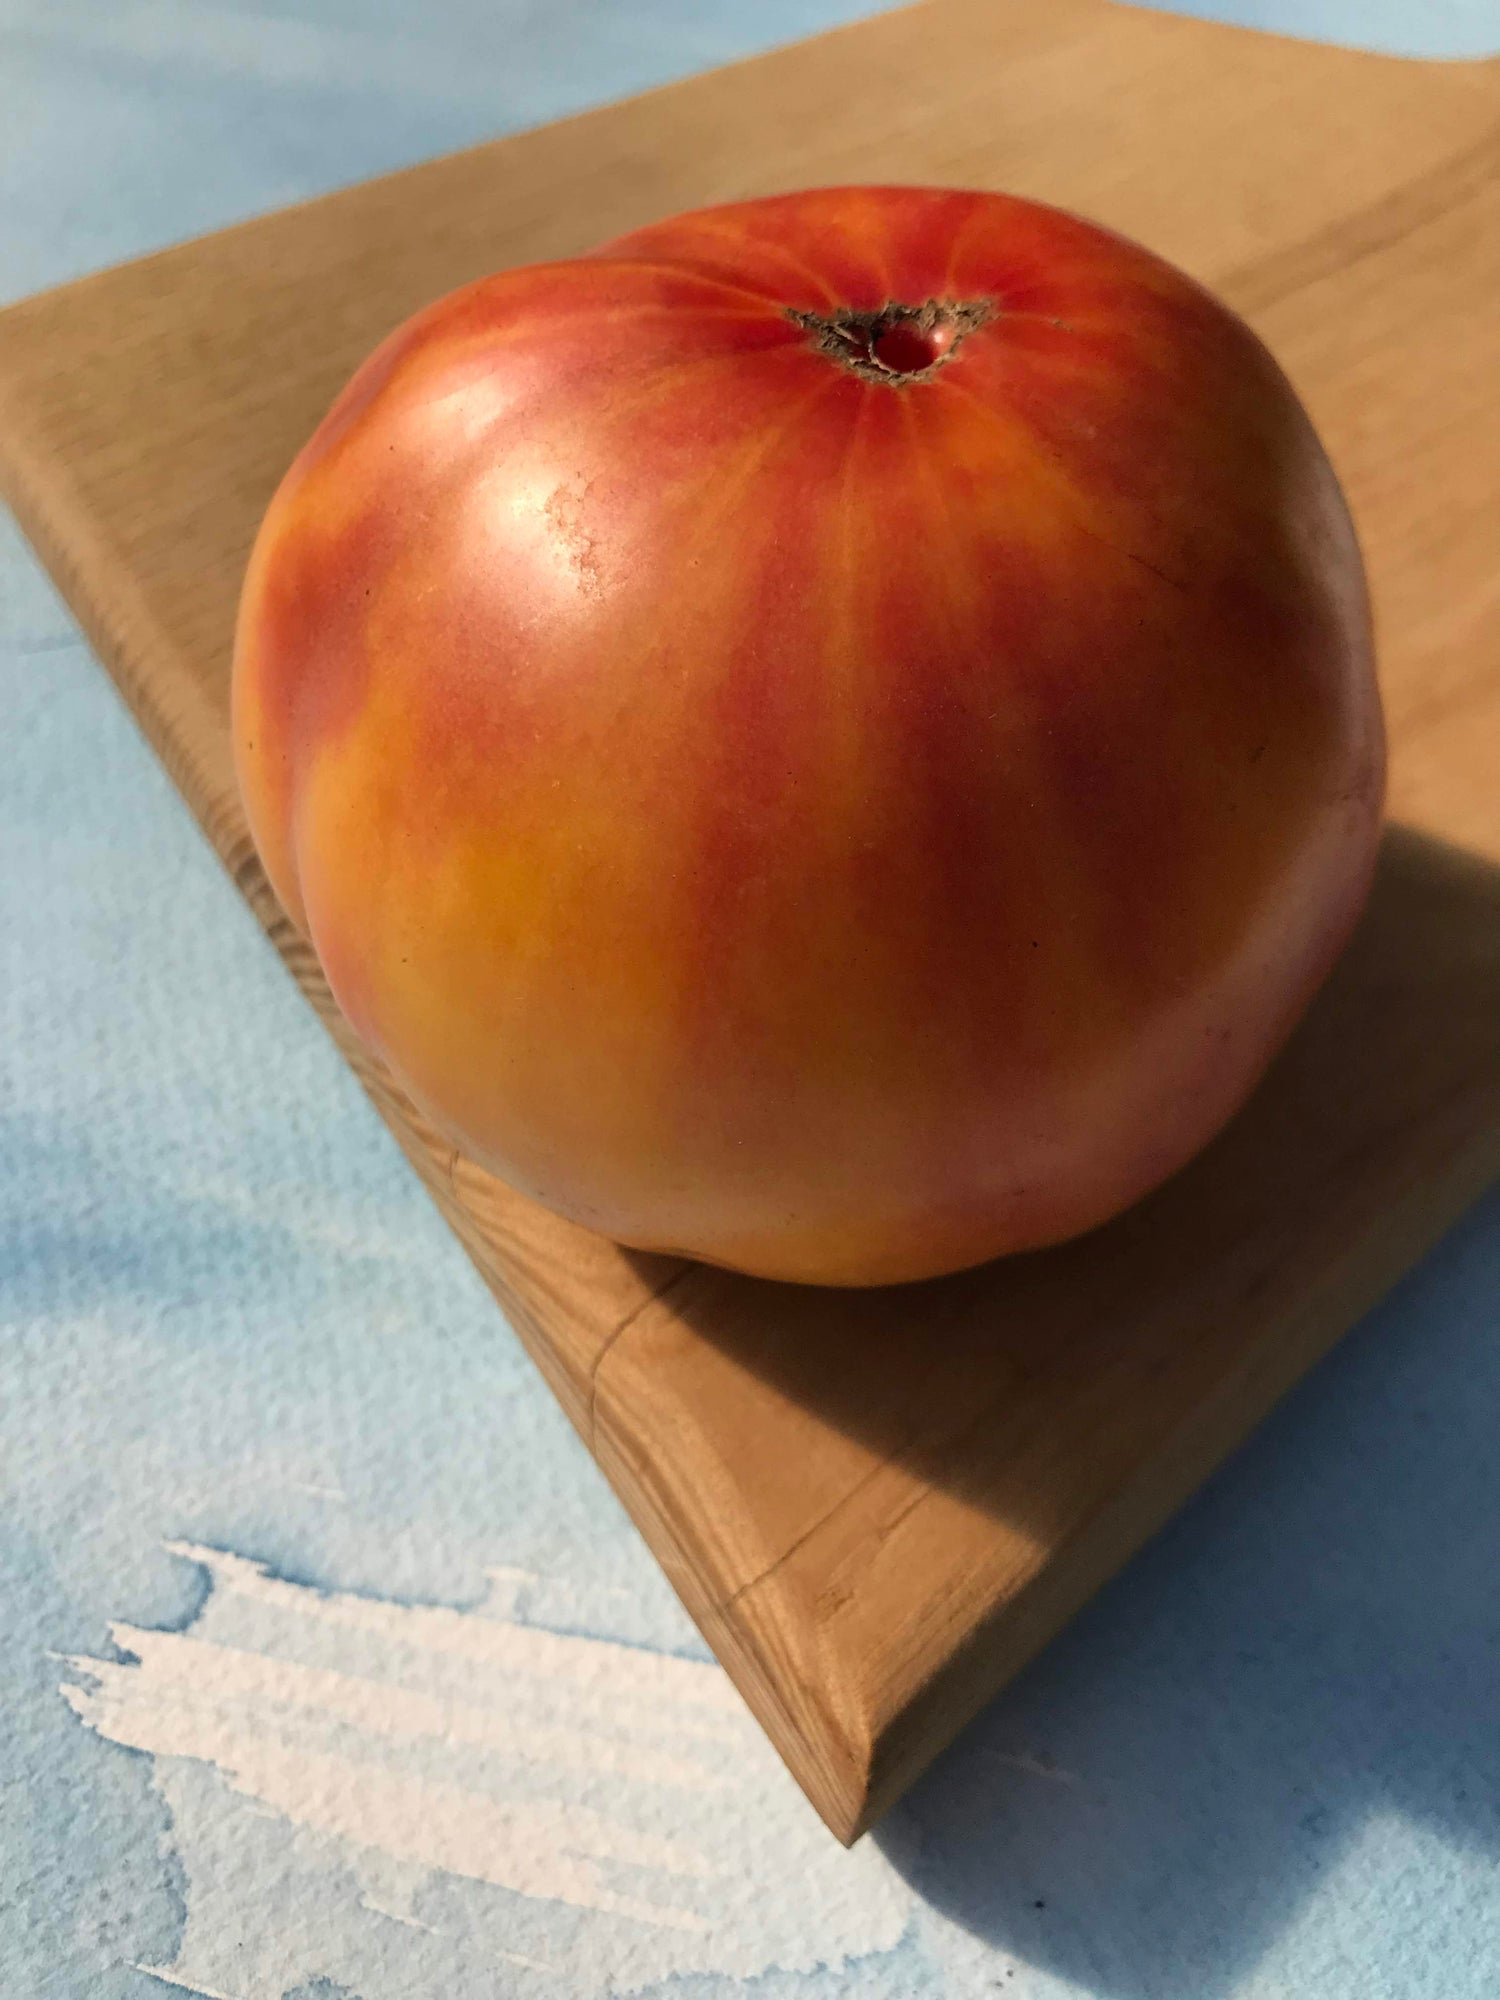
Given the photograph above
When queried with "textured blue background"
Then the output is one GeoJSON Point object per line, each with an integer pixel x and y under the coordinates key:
{"type": "Point", "coordinates": [1264, 1763]}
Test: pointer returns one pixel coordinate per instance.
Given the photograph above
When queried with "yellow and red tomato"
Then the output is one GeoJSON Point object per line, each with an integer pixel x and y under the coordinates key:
{"type": "Point", "coordinates": [836, 734]}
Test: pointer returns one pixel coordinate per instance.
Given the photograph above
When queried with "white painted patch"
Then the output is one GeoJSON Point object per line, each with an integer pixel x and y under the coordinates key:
{"type": "Point", "coordinates": [399, 1797]}
{"type": "Point", "coordinates": [182, 1985]}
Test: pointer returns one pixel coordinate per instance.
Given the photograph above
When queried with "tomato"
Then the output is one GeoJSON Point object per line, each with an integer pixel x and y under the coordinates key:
{"type": "Point", "coordinates": [836, 734]}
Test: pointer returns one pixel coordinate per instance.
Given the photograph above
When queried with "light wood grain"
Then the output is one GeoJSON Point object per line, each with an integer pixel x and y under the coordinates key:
{"type": "Point", "coordinates": [878, 1505]}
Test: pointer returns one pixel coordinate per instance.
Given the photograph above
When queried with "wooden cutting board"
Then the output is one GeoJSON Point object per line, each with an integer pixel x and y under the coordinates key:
{"type": "Point", "coordinates": [878, 1505]}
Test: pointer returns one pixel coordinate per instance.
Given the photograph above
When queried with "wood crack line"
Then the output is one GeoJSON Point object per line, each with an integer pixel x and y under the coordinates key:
{"type": "Point", "coordinates": [887, 1459]}
{"type": "Point", "coordinates": [652, 1299]}
{"type": "Point", "coordinates": [887, 1528]}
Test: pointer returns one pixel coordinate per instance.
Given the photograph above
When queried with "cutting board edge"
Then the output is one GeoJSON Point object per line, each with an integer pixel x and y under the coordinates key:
{"type": "Point", "coordinates": [1103, 1546]}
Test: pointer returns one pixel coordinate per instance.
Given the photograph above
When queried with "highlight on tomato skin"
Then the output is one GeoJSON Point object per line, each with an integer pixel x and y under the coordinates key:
{"type": "Point", "coordinates": [836, 734]}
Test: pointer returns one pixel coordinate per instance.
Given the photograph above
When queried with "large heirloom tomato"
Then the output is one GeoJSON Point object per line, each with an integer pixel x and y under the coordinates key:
{"type": "Point", "coordinates": [836, 734]}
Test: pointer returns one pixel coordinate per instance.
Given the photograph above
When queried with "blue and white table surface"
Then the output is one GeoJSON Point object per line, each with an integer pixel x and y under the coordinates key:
{"type": "Point", "coordinates": [329, 1667]}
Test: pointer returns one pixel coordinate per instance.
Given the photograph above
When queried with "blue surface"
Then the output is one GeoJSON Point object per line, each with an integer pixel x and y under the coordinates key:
{"type": "Point", "coordinates": [1444, 29]}
{"type": "Point", "coordinates": [1264, 1763]}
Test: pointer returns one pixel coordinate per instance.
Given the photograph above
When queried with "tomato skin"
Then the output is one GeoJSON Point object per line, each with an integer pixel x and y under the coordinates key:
{"type": "Point", "coordinates": [838, 792]}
